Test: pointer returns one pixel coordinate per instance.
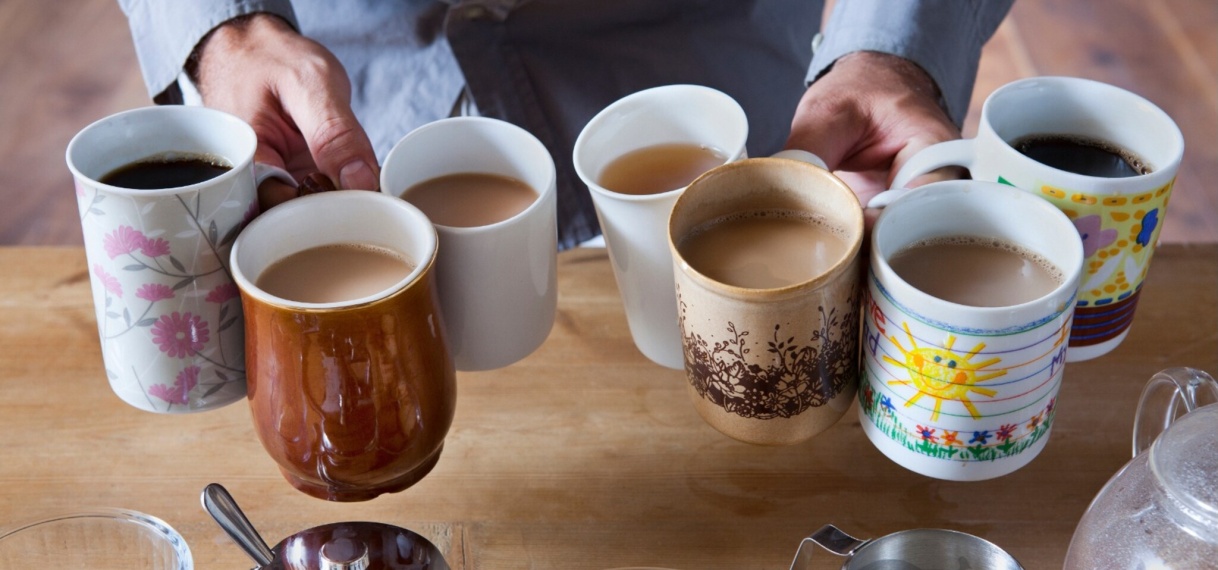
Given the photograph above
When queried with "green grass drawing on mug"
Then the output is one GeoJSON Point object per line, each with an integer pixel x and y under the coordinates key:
{"type": "Point", "coordinates": [982, 445]}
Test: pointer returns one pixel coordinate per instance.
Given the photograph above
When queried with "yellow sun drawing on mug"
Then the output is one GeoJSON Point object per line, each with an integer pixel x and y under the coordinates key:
{"type": "Point", "coordinates": [944, 374]}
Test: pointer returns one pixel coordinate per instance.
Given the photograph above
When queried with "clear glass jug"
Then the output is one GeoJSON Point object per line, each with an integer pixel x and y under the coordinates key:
{"type": "Point", "coordinates": [1161, 509]}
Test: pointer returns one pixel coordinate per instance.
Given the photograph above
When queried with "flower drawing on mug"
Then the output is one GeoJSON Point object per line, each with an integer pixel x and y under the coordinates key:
{"type": "Point", "coordinates": [145, 261]}
{"type": "Point", "coordinates": [991, 443]}
{"type": "Point", "coordinates": [223, 292]}
{"type": "Point", "coordinates": [109, 282]}
{"type": "Point", "coordinates": [179, 393]}
{"type": "Point", "coordinates": [123, 240]}
{"type": "Point", "coordinates": [153, 292]}
{"type": "Point", "coordinates": [180, 335]}
{"type": "Point", "coordinates": [1095, 238]}
{"type": "Point", "coordinates": [798, 375]}
{"type": "Point", "coordinates": [1147, 229]}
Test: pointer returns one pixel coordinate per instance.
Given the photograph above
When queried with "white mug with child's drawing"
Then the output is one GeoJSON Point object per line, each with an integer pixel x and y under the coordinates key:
{"type": "Point", "coordinates": [956, 391]}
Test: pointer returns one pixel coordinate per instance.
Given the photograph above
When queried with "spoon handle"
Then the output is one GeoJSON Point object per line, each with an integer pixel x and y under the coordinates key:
{"type": "Point", "coordinates": [221, 506]}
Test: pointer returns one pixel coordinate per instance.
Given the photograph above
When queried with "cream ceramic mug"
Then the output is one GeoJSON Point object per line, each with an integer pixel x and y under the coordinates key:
{"type": "Point", "coordinates": [1118, 219]}
{"type": "Point", "coordinates": [776, 365]}
{"type": "Point", "coordinates": [498, 282]}
{"type": "Point", "coordinates": [955, 391]}
{"type": "Point", "coordinates": [635, 226]}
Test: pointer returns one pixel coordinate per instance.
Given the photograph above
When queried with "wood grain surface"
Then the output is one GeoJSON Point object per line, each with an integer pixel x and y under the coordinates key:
{"type": "Point", "coordinates": [585, 455]}
{"type": "Point", "coordinates": [64, 65]}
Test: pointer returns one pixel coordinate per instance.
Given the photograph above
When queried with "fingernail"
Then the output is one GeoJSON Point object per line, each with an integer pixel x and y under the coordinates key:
{"type": "Point", "coordinates": [357, 175]}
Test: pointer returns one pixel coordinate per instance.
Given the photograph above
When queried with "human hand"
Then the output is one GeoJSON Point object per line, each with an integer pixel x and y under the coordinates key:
{"type": "Point", "coordinates": [296, 96]}
{"type": "Point", "coordinates": [867, 116]}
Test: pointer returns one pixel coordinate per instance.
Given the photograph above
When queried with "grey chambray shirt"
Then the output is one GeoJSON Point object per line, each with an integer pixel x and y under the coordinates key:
{"type": "Point", "coordinates": [550, 65]}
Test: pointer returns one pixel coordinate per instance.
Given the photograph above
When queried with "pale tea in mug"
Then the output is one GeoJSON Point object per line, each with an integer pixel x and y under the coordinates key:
{"type": "Point", "coordinates": [659, 168]}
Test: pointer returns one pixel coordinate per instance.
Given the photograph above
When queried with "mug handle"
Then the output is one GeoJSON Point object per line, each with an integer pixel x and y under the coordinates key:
{"type": "Point", "coordinates": [264, 172]}
{"type": "Point", "coordinates": [1160, 403]}
{"type": "Point", "coordinates": [829, 538]}
{"type": "Point", "coordinates": [961, 152]}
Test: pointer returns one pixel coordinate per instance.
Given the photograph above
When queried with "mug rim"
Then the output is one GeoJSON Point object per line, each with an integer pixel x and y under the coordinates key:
{"type": "Point", "coordinates": [234, 122]}
{"type": "Point", "coordinates": [604, 115]}
{"type": "Point", "coordinates": [1107, 185]}
{"type": "Point", "coordinates": [855, 230]}
{"type": "Point", "coordinates": [884, 271]}
{"type": "Point", "coordinates": [422, 267]}
{"type": "Point", "coordinates": [543, 193]}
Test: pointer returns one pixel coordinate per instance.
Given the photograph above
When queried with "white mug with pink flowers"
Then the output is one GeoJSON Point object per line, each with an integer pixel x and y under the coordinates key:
{"type": "Point", "coordinates": [168, 312]}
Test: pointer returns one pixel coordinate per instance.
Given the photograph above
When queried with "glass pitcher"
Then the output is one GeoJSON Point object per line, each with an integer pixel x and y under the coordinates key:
{"type": "Point", "coordinates": [1161, 509]}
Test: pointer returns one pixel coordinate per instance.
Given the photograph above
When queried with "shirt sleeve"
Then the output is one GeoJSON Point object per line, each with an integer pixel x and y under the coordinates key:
{"type": "Point", "coordinates": [166, 31]}
{"type": "Point", "coordinates": [944, 37]}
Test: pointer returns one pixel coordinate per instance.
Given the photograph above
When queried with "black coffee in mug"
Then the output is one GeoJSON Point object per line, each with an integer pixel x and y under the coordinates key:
{"type": "Point", "coordinates": [1082, 155]}
{"type": "Point", "coordinates": [167, 171]}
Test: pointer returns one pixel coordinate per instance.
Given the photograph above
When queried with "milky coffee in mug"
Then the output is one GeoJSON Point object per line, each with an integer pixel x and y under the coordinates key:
{"type": "Point", "coordinates": [470, 199]}
{"type": "Point", "coordinates": [334, 273]}
{"type": "Point", "coordinates": [976, 271]}
{"type": "Point", "coordinates": [764, 249]}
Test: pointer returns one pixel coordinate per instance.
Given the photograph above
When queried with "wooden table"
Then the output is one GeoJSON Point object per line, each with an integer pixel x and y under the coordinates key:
{"type": "Point", "coordinates": [584, 455]}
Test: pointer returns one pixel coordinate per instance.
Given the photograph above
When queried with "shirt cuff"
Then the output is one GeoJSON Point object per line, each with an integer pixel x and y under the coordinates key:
{"type": "Point", "coordinates": [165, 32]}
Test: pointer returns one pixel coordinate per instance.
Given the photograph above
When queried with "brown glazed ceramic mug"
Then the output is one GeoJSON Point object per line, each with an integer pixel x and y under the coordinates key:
{"type": "Point", "coordinates": [771, 364]}
{"type": "Point", "coordinates": [352, 399]}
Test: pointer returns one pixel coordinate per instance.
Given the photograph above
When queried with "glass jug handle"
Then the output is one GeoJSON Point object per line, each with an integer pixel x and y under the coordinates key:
{"type": "Point", "coordinates": [1161, 400]}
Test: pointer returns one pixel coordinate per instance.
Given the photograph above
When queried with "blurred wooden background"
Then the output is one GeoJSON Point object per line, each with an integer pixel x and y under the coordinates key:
{"type": "Point", "coordinates": [65, 64]}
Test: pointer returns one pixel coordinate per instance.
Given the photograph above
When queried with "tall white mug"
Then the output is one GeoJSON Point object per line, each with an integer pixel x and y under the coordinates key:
{"type": "Point", "coordinates": [636, 226]}
{"type": "Point", "coordinates": [168, 313]}
{"type": "Point", "coordinates": [498, 282]}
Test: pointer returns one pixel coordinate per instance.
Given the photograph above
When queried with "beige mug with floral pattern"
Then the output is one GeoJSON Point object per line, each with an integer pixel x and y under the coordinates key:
{"type": "Point", "coordinates": [769, 361]}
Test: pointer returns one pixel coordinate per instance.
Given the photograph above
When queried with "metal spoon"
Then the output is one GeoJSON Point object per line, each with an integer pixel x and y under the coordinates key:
{"type": "Point", "coordinates": [221, 506]}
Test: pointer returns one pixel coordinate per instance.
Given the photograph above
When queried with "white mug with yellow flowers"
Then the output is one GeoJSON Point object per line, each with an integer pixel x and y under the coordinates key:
{"type": "Point", "coordinates": [960, 383]}
{"type": "Point", "coordinates": [1105, 157]}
